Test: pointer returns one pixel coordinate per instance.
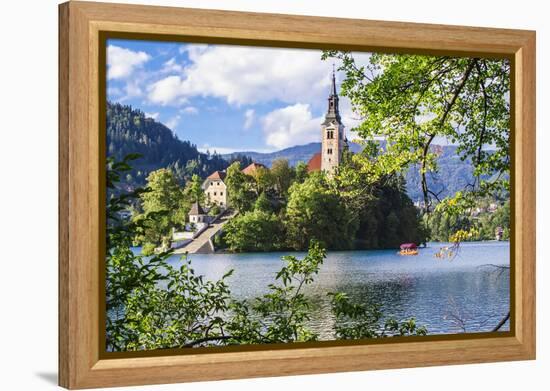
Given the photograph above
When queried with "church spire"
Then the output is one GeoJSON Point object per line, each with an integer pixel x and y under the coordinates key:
{"type": "Point", "coordinates": [333, 86]}
{"type": "Point", "coordinates": [333, 113]}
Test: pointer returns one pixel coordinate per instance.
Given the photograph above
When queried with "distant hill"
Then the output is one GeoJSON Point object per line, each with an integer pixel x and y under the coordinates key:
{"type": "Point", "coordinates": [298, 153]}
{"type": "Point", "coordinates": [454, 174]}
{"type": "Point", "coordinates": [130, 131]}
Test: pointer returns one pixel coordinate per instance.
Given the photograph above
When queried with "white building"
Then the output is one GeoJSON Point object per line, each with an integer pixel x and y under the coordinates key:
{"type": "Point", "coordinates": [215, 189]}
{"type": "Point", "coordinates": [197, 214]}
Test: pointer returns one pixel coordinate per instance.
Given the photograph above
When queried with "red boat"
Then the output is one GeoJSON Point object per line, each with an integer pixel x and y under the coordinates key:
{"type": "Point", "coordinates": [408, 249]}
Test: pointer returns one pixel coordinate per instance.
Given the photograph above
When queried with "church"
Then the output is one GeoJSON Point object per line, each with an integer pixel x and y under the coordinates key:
{"type": "Point", "coordinates": [333, 138]}
{"type": "Point", "coordinates": [333, 144]}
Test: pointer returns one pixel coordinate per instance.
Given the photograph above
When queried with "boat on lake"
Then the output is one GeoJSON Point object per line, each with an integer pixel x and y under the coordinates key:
{"type": "Point", "coordinates": [408, 249]}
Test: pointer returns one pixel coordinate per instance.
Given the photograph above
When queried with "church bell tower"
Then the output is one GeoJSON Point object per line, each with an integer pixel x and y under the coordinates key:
{"type": "Point", "coordinates": [333, 137]}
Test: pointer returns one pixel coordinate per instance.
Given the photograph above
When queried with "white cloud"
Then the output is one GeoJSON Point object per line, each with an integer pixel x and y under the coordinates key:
{"type": "Point", "coordinates": [245, 75]}
{"type": "Point", "coordinates": [113, 92]}
{"type": "Point", "coordinates": [171, 66]}
{"type": "Point", "coordinates": [152, 115]}
{"type": "Point", "coordinates": [190, 110]}
{"type": "Point", "coordinates": [362, 58]}
{"type": "Point", "coordinates": [193, 49]}
{"type": "Point", "coordinates": [173, 122]}
{"type": "Point", "coordinates": [249, 117]}
{"type": "Point", "coordinates": [132, 89]}
{"type": "Point", "coordinates": [122, 62]}
{"type": "Point", "coordinates": [165, 91]}
{"type": "Point", "coordinates": [291, 125]}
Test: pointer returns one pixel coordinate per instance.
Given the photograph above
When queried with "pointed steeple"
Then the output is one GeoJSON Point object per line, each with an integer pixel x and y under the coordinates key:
{"type": "Point", "coordinates": [333, 138]}
{"type": "Point", "coordinates": [333, 113]}
{"type": "Point", "coordinates": [333, 86]}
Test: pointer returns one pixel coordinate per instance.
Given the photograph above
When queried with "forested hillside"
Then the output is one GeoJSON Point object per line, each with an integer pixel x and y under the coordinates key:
{"type": "Point", "coordinates": [130, 131]}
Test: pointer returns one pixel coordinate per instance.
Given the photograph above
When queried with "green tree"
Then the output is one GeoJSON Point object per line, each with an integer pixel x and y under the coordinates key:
{"type": "Point", "coordinates": [263, 180]}
{"type": "Point", "coordinates": [193, 190]}
{"type": "Point", "coordinates": [186, 313]}
{"type": "Point", "coordinates": [391, 230]}
{"type": "Point", "coordinates": [316, 212]}
{"type": "Point", "coordinates": [164, 194]}
{"type": "Point", "coordinates": [263, 204]}
{"type": "Point", "coordinates": [282, 175]}
{"type": "Point", "coordinates": [480, 225]}
{"type": "Point", "coordinates": [258, 230]}
{"type": "Point", "coordinates": [387, 217]}
{"type": "Point", "coordinates": [239, 188]}
{"type": "Point", "coordinates": [214, 210]}
{"type": "Point", "coordinates": [378, 205]}
{"type": "Point", "coordinates": [164, 208]}
{"type": "Point", "coordinates": [301, 172]}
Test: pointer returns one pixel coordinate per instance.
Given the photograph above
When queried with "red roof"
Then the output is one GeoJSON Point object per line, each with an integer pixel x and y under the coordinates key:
{"type": "Point", "coordinates": [408, 246]}
{"type": "Point", "coordinates": [217, 175]}
{"type": "Point", "coordinates": [249, 170]}
{"type": "Point", "coordinates": [314, 163]}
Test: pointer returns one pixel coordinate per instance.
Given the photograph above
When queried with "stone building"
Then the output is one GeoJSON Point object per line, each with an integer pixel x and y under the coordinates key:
{"type": "Point", "coordinates": [197, 214]}
{"type": "Point", "coordinates": [333, 138]}
{"type": "Point", "coordinates": [215, 189]}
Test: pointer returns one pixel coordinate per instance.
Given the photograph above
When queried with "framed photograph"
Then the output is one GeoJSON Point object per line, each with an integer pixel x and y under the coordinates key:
{"type": "Point", "coordinates": [247, 195]}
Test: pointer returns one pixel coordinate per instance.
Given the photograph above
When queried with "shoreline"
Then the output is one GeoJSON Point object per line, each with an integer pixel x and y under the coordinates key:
{"type": "Point", "coordinates": [429, 245]}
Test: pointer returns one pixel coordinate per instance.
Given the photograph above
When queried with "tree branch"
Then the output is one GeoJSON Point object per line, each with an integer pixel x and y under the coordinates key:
{"type": "Point", "coordinates": [502, 322]}
{"type": "Point", "coordinates": [442, 122]}
{"type": "Point", "coordinates": [481, 83]}
{"type": "Point", "coordinates": [208, 339]}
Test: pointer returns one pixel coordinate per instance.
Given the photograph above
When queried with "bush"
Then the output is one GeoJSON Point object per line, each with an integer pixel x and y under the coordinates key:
{"type": "Point", "coordinates": [214, 210]}
{"type": "Point", "coordinates": [254, 231]}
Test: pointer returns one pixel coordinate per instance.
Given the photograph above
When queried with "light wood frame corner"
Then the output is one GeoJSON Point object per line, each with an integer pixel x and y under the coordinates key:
{"type": "Point", "coordinates": [81, 171]}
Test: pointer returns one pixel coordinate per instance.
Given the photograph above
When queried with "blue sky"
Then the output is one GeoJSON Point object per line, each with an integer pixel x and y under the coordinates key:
{"type": "Point", "coordinates": [226, 98]}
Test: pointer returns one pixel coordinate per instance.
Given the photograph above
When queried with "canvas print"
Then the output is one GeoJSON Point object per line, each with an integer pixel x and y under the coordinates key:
{"type": "Point", "coordinates": [261, 195]}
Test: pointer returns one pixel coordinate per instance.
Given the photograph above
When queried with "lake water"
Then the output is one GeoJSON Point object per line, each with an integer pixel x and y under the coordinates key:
{"type": "Point", "coordinates": [434, 291]}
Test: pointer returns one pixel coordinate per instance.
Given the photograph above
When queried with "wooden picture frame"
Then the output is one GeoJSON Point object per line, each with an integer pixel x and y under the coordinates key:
{"type": "Point", "coordinates": [82, 206]}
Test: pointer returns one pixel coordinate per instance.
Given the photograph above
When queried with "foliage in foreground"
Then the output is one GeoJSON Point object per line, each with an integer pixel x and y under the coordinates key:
{"type": "Point", "coordinates": [414, 100]}
{"type": "Point", "coordinates": [359, 321]}
{"type": "Point", "coordinates": [152, 304]}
